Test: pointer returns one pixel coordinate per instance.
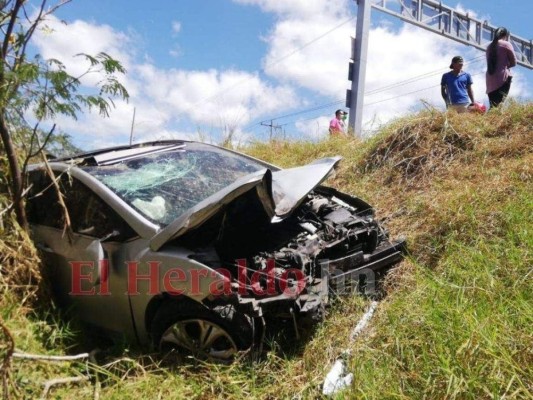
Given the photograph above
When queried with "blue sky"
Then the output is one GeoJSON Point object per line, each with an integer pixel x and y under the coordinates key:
{"type": "Point", "coordinates": [201, 69]}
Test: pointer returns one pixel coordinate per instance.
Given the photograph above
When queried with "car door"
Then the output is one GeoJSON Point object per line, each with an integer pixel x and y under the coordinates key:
{"type": "Point", "coordinates": [84, 265]}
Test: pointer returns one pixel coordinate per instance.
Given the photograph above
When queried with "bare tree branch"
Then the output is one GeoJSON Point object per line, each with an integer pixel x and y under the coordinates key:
{"type": "Point", "coordinates": [60, 381]}
{"type": "Point", "coordinates": [43, 357]}
{"type": "Point", "coordinates": [67, 227]}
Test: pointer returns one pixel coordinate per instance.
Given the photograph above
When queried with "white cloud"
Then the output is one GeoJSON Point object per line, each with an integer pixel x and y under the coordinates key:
{"type": "Point", "coordinates": [214, 97]}
{"type": "Point", "coordinates": [320, 65]}
{"type": "Point", "coordinates": [176, 50]}
{"type": "Point", "coordinates": [176, 27]}
{"type": "Point", "coordinates": [315, 128]}
{"type": "Point", "coordinates": [64, 41]}
{"type": "Point", "coordinates": [167, 102]}
{"type": "Point", "coordinates": [308, 52]}
{"type": "Point", "coordinates": [300, 9]}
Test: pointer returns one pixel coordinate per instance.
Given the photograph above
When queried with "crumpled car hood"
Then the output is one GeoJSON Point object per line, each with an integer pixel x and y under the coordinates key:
{"type": "Point", "coordinates": [279, 192]}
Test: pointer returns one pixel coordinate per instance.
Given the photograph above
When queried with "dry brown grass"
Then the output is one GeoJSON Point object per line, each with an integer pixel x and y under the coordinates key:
{"type": "Point", "coordinates": [430, 172]}
{"type": "Point", "coordinates": [415, 150]}
{"type": "Point", "coordinates": [427, 173]}
{"type": "Point", "coordinates": [19, 262]}
{"type": "Point", "coordinates": [435, 178]}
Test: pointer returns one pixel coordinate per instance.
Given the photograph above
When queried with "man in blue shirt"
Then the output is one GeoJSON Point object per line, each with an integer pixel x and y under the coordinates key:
{"type": "Point", "coordinates": [456, 87]}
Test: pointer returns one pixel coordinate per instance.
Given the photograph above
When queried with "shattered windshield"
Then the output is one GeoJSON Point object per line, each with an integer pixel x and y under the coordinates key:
{"type": "Point", "coordinates": [164, 185]}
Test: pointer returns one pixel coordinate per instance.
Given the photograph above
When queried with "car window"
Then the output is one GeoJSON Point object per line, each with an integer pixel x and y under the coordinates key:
{"type": "Point", "coordinates": [89, 214]}
{"type": "Point", "coordinates": [162, 186]}
{"type": "Point", "coordinates": [42, 204]}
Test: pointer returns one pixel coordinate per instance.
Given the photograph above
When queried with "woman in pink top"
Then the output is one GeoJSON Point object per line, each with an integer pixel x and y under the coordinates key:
{"type": "Point", "coordinates": [500, 57]}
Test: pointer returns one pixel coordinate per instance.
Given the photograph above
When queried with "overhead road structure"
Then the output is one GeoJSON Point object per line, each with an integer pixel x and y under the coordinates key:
{"type": "Point", "coordinates": [446, 21]}
{"type": "Point", "coordinates": [430, 15]}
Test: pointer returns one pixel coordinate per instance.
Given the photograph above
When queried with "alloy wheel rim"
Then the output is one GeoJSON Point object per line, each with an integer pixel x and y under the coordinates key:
{"type": "Point", "coordinates": [203, 339]}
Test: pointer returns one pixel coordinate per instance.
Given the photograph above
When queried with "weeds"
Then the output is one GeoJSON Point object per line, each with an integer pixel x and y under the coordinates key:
{"type": "Point", "coordinates": [456, 321]}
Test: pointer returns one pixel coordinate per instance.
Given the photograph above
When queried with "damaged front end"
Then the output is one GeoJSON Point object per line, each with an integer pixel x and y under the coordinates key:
{"type": "Point", "coordinates": [330, 243]}
{"type": "Point", "coordinates": [285, 241]}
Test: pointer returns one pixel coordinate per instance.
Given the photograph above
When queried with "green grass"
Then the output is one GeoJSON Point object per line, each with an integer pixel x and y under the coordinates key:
{"type": "Point", "coordinates": [463, 330]}
{"type": "Point", "coordinates": [457, 321]}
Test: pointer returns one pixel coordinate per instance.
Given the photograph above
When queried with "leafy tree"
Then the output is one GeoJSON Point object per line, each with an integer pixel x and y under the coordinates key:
{"type": "Point", "coordinates": [34, 90]}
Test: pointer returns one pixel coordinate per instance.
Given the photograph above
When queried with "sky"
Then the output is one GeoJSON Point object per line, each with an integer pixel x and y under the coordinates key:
{"type": "Point", "coordinates": [204, 69]}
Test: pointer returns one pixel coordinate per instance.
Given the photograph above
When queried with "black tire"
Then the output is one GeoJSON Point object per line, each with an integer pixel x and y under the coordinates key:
{"type": "Point", "coordinates": [214, 334]}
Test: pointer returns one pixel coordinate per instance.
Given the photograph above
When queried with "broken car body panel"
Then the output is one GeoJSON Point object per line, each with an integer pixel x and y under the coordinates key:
{"type": "Point", "coordinates": [279, 192]}
{"type": "Point", "coordinates": [204, 227]}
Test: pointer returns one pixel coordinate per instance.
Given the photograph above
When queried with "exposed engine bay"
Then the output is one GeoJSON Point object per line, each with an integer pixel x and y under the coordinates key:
{"type": "Point", "coordinates": [329, 233]}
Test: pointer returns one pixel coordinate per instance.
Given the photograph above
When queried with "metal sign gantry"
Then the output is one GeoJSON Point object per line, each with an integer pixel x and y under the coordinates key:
{"type": "Point", "coordinates": [428, 14]}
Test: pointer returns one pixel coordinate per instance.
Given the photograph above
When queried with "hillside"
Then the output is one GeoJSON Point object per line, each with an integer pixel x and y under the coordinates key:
{"type": "Point", "coordinates": [456, 320]}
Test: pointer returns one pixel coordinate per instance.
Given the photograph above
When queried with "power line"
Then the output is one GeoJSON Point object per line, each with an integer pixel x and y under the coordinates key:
{"type": "Point", "coordinates": [375, 91]}
{"type": "Point", "coordinates": [408, 93]}
{"type": "Point", "coordinates": [309, 43]}
{"type": "Point", "coordinates": [416, 78]}
{"type": "Point", "coordinates": [298, 49]}
{"type": "Point", "coordinates": [305, 45]}
{"type": "Point", "coordinates": [390, 98]}
{"type": "Point", "coordinates": [319, 107]}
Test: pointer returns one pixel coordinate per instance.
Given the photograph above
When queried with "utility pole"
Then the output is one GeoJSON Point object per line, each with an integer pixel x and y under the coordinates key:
{"type": "Point", "coordinates": [132, 126]}
{"type": "Point", "coordinates": [272, 126]}
{"type": "Point", "coordinates": [354, 98]}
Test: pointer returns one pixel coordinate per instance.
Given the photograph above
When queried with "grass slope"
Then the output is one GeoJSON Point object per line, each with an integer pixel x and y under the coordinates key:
{"type": "Point", "coordinates": [457, 321]}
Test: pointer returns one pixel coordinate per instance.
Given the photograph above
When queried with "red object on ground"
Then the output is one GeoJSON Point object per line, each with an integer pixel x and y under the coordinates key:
{"type": "Point", "coordinates": [477, 107]}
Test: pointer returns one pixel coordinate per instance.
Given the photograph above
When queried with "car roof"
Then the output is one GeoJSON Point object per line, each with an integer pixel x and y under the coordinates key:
{"type": "Point", "coordinates": [115, 154]}
{"type": "Point", "coordinates": [94, 154]}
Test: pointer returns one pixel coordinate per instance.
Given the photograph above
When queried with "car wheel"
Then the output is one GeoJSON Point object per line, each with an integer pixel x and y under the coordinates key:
{"type": "Point", "coordinates": [216, 334]}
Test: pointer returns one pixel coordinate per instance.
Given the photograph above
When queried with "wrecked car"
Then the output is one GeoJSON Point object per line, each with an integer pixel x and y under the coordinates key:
{"type": "Point", "coordinates": [190, 247]}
